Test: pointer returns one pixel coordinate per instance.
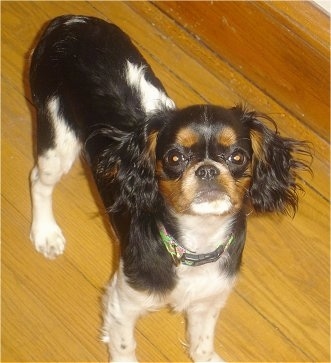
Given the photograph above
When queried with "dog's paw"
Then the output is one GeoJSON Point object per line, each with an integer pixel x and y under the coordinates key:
{"type": "Point", "coordinates": [48, 240]}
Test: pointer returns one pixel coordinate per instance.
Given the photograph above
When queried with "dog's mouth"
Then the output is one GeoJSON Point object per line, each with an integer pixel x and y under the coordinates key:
{"type": "Point", "coordinates": [209, 195]}
{"type": "Point", "coordinates": [211, 201]}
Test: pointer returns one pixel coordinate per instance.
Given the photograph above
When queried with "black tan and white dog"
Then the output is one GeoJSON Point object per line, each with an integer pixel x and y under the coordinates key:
{"type": "Point", "coordinates": [177, 183]}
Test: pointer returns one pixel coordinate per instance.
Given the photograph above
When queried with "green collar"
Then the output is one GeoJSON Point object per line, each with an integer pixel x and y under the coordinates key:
{"type": "Point", "coordinates": [182, 255]}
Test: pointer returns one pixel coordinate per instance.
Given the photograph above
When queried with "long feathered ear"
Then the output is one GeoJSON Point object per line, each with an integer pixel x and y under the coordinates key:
{"type": "Point", "coordinates": [275, 163]}
{"type": "Point", "coordinates": [125, 167]}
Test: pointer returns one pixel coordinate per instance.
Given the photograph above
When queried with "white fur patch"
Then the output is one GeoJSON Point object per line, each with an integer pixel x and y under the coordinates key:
{"type": "Point", "coordinates": [215, 207]}
{"type": "Point", "coordinates": [203, 235]}
{"type": "Point", "coordinates": [75, 20]}
{"type": "Point", "coordinates": [203, 283]}
{"type": "Point", "coordinates": [45, 233]}
{"type": "Point", "coordinates": [201, 292]}
{"type": "Point", "coordinates": [67, 147]}
{"type": "Point", "coordinates": [152, 99]}
{"type": "Point", "coordinates": [122, 307]}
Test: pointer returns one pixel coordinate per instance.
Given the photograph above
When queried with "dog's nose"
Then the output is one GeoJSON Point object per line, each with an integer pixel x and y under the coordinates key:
{"type": "Point", "coordinates": [207, 172]}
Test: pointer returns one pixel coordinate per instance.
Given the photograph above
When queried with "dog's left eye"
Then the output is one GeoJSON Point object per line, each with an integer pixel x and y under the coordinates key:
{"type": "Point", "coordinates": [237, 158]}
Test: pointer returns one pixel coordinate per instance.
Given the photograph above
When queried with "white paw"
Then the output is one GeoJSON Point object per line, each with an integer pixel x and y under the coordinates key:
{"type": "Point", "coordinates": [48, 240]}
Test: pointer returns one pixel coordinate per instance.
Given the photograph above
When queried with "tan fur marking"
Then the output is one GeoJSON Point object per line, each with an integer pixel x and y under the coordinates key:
{"type": "Point", "coordinates": [187, 137]}
{"type": "Point", "coordinates": [243, 185]}
{"type": "Point", "coordinates": [151, 146]}
{"type": "Point", "coordinates": [179, 193]}
{"type": "Point", "coordinates": [257, 145]}
{"type": "Point", "coordinates": [172, 191]}
{"type": "Point", "coordinates": [227, 137]}
{"type": "Point", "coordinates": [110, 174]}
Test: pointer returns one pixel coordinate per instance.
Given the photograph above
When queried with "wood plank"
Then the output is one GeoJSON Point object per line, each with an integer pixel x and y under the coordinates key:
{"type": "Point", "coordinates": [263, 50]}
{"type": "Point", "coordinates": [305, 19]}
{"type": "Point", "coordinates": [289, 277]}
{"type": "Point", "coordinates": [43, 322]}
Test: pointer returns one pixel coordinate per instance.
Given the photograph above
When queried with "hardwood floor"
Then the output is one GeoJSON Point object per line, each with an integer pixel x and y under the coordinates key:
{"type": "Point", "coordinates": [274, 56]}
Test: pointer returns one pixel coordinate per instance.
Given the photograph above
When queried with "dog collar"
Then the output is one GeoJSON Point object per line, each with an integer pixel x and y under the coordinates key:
{"type": "Point", "coordinates": [182, 255]}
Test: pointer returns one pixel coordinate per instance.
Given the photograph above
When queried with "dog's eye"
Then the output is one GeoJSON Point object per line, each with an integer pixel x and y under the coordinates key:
{"type": "Point", "coordinates": [174, 158]}
{"type": "Point", "coordinates": [237, 158]}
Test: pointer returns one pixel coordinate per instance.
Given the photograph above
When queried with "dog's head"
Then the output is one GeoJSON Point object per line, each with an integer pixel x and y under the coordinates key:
{"type": "Point", "coordinates": [204, 161]}
{"type": "Point", "coordinates": [209, 160]}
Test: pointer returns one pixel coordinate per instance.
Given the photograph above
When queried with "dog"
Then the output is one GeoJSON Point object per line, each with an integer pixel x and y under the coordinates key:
{"type": "Point", "coordinates": [177, 184]}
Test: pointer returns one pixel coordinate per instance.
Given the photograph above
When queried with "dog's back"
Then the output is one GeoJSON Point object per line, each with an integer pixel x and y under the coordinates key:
{"type": "Point", "coordinates": [95, 72]}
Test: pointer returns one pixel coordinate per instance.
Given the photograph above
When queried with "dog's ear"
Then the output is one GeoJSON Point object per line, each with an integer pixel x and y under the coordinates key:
{"type": "Point", "coordinates": [125, 169]}
{"type": "Point", "coordinates": [144, 189]}
{"type": "Point", "coordinates": [275, 163]}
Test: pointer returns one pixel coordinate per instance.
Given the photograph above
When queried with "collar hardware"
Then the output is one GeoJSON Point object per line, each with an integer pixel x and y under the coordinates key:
{"type": "Point", "coordinates": [182, 255]}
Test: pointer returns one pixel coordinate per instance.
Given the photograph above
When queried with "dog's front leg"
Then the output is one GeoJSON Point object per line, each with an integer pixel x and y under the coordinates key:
{"type": "Point", "coordinates": [201, 319]}
{"type": "Point", "coordinates": [122, 307]}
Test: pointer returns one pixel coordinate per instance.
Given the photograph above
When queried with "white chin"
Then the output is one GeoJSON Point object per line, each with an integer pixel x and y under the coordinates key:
{"type": "Point", "coordinates": [215, 207]}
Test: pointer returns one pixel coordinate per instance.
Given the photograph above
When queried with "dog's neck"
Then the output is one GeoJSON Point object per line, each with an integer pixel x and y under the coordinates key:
{"type": "Point", "coordinates": [203, 234]}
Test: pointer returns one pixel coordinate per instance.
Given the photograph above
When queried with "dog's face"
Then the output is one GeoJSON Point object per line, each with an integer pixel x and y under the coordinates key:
{"type": "Point", "coordinates": [204, 161]}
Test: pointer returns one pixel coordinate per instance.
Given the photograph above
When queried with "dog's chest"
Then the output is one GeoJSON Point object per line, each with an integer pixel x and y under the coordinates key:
{"type": "Point", "coordinates": [205, 282]}
{"type": "Point", "coordinates": [199, 284]}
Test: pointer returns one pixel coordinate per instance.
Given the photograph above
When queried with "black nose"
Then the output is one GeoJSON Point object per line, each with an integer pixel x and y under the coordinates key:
{"type": "Point", "coordinates": [207, 172]}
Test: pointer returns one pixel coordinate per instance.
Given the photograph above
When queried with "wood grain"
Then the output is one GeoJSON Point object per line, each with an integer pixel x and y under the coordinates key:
{"type": "Point", "coordinates": [266, 50]}
{"type": "Point", "coordinates": [279, 310]}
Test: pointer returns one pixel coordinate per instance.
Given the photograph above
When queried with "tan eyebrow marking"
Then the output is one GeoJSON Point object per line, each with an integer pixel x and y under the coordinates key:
{"type": "Point", "coordinates": [227, 136]}
{"type": "Point", "coordinates": [187, 137]}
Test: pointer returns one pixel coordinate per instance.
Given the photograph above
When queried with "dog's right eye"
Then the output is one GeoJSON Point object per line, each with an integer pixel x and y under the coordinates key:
{"type": "Point", "coordinates": [174, 158]}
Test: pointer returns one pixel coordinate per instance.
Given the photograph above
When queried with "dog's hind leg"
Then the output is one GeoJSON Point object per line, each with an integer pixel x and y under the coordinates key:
{"type": "Point", "coordinates": [58, 147]}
